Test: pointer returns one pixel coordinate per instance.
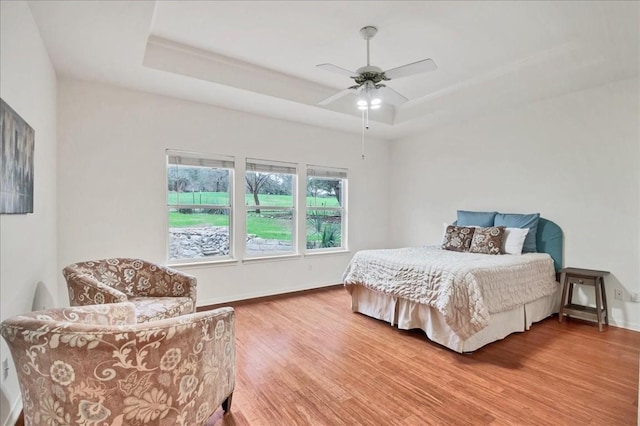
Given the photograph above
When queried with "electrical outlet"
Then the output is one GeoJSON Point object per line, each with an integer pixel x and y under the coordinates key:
{"type": "Point", "coordinates": [635, 297]}
{"type": "Point", "coordinates": [618, 293]}
{"type": "Point", "coordinates": [5, 369]}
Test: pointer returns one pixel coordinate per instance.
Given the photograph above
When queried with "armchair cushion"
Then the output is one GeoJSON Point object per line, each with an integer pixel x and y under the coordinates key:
{"type": "Point", "coordinates": [94, 365]}
{"type": "Point", "coordinates": [157, 308]}
{"type": "Point", "coordinates": [135, 280]}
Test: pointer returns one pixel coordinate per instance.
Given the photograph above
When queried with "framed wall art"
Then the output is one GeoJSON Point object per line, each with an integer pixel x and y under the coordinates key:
{"type": "Point", "coordinates": [16, 162]}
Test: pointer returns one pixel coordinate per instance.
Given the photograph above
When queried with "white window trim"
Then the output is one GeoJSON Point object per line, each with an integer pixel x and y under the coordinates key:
{"type": "Point", "coordinates": [272, 258]}
{"type": "Point", "coordinates": [330, 173]}
{"type": "Point", "coordinates": [253, 165]}
{"type": "Point", "coordinates": [238, 228]}
{"type": "Point", "coordinates": [204, 160]}
{"type": "Point", "coordinates": [222, 261]}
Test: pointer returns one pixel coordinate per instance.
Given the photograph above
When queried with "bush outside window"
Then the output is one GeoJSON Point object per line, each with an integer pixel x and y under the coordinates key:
{"type": "Point", "coordinates": [326, 208]}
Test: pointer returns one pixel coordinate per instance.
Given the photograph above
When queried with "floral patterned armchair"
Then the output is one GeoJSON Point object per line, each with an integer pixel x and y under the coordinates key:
{"type": "Point", "coordinates": [95, 365]}
{"type": "Point", "coordinates": [157, 291]}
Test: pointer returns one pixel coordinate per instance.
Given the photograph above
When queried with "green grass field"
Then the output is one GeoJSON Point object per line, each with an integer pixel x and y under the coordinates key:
{"type": "Point", "coordinates": [266, 225]}
{"type": "Point", "coordinates": [263, 226]}
{"type": "Point", "coordinates": [222, 198]}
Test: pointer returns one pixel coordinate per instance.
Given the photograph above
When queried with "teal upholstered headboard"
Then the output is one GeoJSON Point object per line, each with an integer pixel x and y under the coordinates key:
{"type": "Point", "coordinates": [549, 240]}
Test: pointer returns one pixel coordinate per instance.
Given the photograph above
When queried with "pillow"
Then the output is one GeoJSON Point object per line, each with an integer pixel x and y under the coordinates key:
{"type": "Point", "coordinates": [458, 238]}
{"type": "Point", "coordinates": [482, 219]}
{"type": "Point", "coordinates": [514, 240]}
{"type": "Point", "coordinates": [487, 240]}
{"type": "Point", "coordinates": [512, 220]}
{"type": "Point", "coordinates": [445, 225]}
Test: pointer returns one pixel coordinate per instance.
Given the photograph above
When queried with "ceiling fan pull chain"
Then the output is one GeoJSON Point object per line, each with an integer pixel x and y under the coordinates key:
{"type": "Point", "coordinates": [363, 134]}
{"type": "Point", "coordinates": [366, 126]}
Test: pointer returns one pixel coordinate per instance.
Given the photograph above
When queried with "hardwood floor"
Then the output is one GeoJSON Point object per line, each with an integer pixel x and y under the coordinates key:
{"type": "Point", "coordinates": [308, 360]}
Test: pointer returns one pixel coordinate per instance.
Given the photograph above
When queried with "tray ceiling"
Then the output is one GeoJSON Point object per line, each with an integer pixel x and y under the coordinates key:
{"type": "Point", "coordinates": [261, 57]}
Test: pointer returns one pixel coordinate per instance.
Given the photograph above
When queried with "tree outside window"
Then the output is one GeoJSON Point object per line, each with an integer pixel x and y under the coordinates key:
{"type": "Point", "coordinates": [270, 208]}
{"type": "Point", "coordinates": [199, 206]}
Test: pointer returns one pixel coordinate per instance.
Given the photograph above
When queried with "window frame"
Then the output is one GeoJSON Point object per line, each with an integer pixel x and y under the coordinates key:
{"type": "Point", "coordinates": [256, 165]}
{"type": "Point", "coordinates": [197, 159]}
{"type": "Point", "coordinates": [329, 173]}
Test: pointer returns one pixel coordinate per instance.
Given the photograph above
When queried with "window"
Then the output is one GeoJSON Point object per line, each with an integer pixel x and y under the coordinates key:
{"type": "Point", "coordinates": [199, 206]}
{"type": "Point", "coordinates": [270, 202]}
{"type": "Point", "coordinates": [326, 208]}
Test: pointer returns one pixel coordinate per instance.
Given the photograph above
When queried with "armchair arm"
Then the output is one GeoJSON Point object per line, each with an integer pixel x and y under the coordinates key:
{"type": "Point", "coordinates": [92, 315]}
{"type": "Point", "coordinates": [167, 282]}
{"type": "Point", "coordinates": [174, 371]}
{"type": "Point", "coordinates": [86, 290]}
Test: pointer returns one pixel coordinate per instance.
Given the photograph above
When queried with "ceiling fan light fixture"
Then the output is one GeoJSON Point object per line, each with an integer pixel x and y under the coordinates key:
{"type": "Point", "coordinates": [365, 103]}
{"type": "Point", "coordinates": [371, 79]}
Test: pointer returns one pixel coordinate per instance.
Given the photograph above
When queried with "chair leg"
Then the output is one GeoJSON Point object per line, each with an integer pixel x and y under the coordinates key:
{"type": "Point", "coordinates": [226, 404]}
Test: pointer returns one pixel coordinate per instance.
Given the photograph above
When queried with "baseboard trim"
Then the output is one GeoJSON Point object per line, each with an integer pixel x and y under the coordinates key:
{"type": "Point", "coordinates": [257, 297]}
{"type": "Point", "coordinates": [625, 324]}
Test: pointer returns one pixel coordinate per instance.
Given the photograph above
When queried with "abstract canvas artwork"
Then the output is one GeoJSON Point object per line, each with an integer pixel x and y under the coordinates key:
{"type": "Point", "coordinates": [16, 162]}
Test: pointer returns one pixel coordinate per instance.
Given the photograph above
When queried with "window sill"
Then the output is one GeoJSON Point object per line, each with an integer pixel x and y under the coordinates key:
{"type": "Point", "coordinates": [204, 263]}
{"type": "Point", "coordinates": [257, 259]}
{"type": "Point", "coordinates": [279, 257]}
{"type": "Point", "coordinates": [325, 252]}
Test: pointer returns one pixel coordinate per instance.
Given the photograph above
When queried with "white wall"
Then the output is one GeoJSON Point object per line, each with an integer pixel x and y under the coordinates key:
{"type": "Point", "coordinates": [28, 267]}
{"type": "Point", "coordinates": [111, 180]}
{"type": "Point", "coordinates": [574, 159]}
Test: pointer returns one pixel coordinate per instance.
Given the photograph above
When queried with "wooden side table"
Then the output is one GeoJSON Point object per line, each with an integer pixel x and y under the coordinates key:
{"type": "Point", "coordinates": [571, 276]}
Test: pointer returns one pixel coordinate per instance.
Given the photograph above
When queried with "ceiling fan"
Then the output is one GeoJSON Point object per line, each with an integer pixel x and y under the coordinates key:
{"type": "Point", "coordinates": [369, 79]}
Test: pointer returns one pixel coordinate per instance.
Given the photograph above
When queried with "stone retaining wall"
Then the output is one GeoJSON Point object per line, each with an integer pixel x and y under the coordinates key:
{"type": "Point", "coordinates": [198, 242]}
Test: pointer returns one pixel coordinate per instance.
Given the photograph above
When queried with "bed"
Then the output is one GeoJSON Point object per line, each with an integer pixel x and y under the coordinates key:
{"type": "Point", "coordinates": [460, 300]}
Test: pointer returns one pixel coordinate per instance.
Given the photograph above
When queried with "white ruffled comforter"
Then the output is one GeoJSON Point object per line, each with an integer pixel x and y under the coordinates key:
{"type": "Point", "coordinates": [464, 287]}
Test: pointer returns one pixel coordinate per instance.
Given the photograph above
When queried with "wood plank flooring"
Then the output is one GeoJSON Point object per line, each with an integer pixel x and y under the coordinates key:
{"type": "Point", "coordinates": [308, 360]}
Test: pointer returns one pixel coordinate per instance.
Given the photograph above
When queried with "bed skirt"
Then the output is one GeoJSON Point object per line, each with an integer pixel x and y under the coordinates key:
{"type": "Point", "coordinates": [408, 315]}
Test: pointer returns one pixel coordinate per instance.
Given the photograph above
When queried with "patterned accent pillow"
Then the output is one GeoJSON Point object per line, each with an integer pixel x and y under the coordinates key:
{"type": "Point", "coordinates": [458, 238]}
{"type": "Point", "coordinates": [487, 240]}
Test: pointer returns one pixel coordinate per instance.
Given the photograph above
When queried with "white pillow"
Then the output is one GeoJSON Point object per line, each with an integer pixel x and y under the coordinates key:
{"type": "Point", "coordinates": [444, 231]}
{"type": "Point", "coordinates": [514, 240]}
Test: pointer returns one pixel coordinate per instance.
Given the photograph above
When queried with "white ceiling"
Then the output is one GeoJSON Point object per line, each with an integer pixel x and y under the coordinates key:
{"type": "Point", "coordinates": [260, 56]}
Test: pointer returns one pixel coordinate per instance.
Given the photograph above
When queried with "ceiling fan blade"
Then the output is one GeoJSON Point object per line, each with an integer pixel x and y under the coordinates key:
{"type": "Point", "coordinates": [410, 69]}
{"type": "Point", "coordinates": [337, 69]}
{"type": "Point", "coordinates": [391, 96]}
{"type": "Point", "coordinates": [336, 96]}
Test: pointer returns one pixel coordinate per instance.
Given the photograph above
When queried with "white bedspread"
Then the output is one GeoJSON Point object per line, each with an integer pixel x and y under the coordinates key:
{"type": "Point", "coordinates": [464, 287]}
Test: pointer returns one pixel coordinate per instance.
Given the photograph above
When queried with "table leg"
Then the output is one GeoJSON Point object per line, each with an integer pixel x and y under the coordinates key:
{"type": "Point", "coordinates": [604, 301]}
{"type": "Point", "coordinates": [599, 303]}
{"type": "Point", "coordinates": [563, 280]}
{"type": "Point", "coordinates": [570, 298]}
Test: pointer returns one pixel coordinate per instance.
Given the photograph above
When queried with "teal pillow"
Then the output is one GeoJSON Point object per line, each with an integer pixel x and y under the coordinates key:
{"type": "Point", "coordinates": [482, 219]}
{"type": "Point", "coordinates": [513, 220]}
